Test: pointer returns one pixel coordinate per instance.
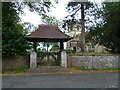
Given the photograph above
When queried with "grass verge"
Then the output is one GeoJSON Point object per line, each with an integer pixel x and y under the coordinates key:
{"type": "Point", "coordinates": [102, 69]}
{"type": "Point", "coordinates": [14, 71]}
{"type": "Point", "coordinates": [95, 53]}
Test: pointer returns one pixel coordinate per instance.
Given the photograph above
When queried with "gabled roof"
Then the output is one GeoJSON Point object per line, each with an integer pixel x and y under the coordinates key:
{"type": "Point", "coordinates": [48, 33]}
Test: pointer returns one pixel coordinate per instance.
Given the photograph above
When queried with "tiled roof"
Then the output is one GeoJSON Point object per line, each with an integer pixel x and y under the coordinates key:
{"type": "Point", "coordinates": [48, 32]}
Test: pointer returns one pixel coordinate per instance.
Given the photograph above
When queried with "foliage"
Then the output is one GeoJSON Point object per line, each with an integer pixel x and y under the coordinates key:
{"type": "Point", "coordinates": [29, 27]}
{"type": "Point", "coordinates": [69, 51]}
{"type": "Point", "coordinates": [13, 33]}
{"type": "Point", "coordinates": [50, 20]}
{"type": "Point", "coordinates": [40, 7]}
{"type": "Point", "coordinates": [47, 45]}
{"type": "Point", "coordinates": [75, 8]}
{"type": "Point", "coordinates": [55, 47]}
{"type": "Point", "coordinates": [13, 71]}
{"type": "Point", "coordinates": [107, 34]}
{"type": "Point", "coordinates": [50, 46]}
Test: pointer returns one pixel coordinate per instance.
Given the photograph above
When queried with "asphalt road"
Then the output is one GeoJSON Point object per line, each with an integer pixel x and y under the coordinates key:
{"type": "Point", "coordinates": [80, 80]}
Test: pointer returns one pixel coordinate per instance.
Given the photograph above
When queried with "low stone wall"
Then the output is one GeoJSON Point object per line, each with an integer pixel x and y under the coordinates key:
{"type": "Point", "coordinates": [15, 62]}
{"type": "Point", "coordinates": [93, 61]}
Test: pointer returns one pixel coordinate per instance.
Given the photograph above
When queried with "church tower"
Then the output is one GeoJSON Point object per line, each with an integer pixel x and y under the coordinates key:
{"type": "Point", "coordinates": [74, 30]}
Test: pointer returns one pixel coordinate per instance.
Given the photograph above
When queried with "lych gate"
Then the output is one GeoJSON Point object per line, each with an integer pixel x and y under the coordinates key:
{"type": "Point", "coordinates": [42, 55]}
{"type": "Point", "coordinates": [48, 33]}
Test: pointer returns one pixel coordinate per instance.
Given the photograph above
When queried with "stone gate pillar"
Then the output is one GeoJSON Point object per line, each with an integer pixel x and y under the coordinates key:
{"type": "Point", "coordinates": [33, 59]}
{"type": "Point", "coordinates": [63, 58]}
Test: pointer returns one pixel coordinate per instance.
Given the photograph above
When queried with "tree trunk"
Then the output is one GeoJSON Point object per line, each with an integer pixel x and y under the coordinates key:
{"type": "Point", "coordinates": [83, 44]}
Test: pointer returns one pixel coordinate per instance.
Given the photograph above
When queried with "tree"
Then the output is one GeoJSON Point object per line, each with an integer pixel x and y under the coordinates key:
{"type": "Point", "coordinates": [29, 27]}
{"type": "Point", "coordinates": [55, 47]}
{"type": "Point", "coordinates": [50, 20]}
{"type": "Point", "coordinates": [83, 29]}
{"type": "Point", "coordinates": [13, 33]}
{"type": "Point", "coordinates": [107, 34]}
{"type": "Point", "coordinates": [76, 7]}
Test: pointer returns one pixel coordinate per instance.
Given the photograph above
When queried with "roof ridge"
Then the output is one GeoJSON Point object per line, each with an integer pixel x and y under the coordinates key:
{"type": "Point", "coordinates": [45, 25]}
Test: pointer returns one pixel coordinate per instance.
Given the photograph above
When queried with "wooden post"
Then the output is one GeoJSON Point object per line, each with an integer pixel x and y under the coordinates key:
{"type": "Point", "coordinates": [61, 46]}
{"type": "Point", "coordinates": [35, 46]}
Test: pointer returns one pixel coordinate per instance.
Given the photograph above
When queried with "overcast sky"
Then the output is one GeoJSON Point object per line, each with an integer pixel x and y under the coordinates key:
{"type": "Point", "coordinates": [58, 11]}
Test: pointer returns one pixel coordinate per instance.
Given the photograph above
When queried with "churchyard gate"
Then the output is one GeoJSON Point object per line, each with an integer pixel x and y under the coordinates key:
{"type": "Point", "coordinates": [48, 33]}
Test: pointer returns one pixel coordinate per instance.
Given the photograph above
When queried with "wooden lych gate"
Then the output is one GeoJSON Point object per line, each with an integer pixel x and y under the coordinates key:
{"type": "Point", "coordinates": [47, 33]}
{"type": "Point", "coordinates": [42, 55]}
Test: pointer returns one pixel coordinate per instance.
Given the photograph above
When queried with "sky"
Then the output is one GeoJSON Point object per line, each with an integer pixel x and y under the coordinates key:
{"type": "Point", "coordinates": [58, 11]}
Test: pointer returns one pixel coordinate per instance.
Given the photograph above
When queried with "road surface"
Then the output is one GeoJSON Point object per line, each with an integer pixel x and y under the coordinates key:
{"type": "Point", "coordinates": [78, 80]}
